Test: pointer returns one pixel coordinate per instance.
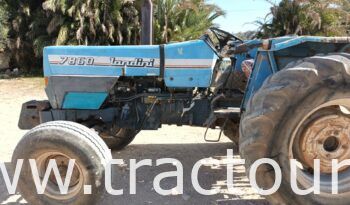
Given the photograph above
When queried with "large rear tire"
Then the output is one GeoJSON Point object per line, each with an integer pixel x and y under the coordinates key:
{"type": "Point", "coordinates": [118, 139]}
{"type": "Point", "coordinates": [282, 118]}
{"type": "Point", "coordinates": [62, 141]}
{"type": "Point", "coordinates": [231, 131]}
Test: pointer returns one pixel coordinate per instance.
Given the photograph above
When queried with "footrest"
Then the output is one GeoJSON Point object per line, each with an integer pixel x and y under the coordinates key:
{"type": "Point", "coordinates": [227, 113]}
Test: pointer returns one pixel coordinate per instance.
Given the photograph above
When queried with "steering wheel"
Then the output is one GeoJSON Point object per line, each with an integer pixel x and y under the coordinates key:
{"type": "Point", "coordinates": [223, 38]}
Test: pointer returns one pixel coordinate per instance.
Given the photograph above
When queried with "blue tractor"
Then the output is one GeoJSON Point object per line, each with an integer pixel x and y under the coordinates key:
{"type": "Point", "coordinates": [282, 98]}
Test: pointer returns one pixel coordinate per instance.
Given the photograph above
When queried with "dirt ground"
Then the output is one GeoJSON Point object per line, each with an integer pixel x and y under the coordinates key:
{"type": "Point", "coordinates": [183, 143]}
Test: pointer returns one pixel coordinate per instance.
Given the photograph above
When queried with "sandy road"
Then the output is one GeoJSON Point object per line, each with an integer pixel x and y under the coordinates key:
{"type": "Point", "coordinates": [183, 143]}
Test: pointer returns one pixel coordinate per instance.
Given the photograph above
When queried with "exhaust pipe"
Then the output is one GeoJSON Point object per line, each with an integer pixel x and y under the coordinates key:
{"type": "Point", "coordinates": [147, 23]}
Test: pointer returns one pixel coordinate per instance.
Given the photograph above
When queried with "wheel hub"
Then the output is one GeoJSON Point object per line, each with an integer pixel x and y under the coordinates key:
{"type": "Point", "coordinates": [62, 164]}
{"type": "Point", "coordinates": [52, 190]}
{"type": "Point", "coordinates": [326, 138]}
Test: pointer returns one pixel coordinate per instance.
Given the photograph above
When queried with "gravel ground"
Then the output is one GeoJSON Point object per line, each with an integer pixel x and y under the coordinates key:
{"type": "Point", "coordinates": [183, 143]}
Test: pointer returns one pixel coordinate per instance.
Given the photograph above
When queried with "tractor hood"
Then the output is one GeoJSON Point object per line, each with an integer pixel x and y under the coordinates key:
{"type": "Point", "coordinates": [74, 72]}
{"type": "Point", "coordinates": [186, 64]}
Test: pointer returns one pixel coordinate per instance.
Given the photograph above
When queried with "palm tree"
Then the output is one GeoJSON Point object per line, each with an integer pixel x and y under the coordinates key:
{"type": "Point", "coordinates": [3, 26]}
{"type": "Point", "coordinates": [20, 17]}
{"type": "Point", "coordinates": [307, 17]}
{"type": "Point", "coordinates": [93, 22]}
{"type": "Point", "coordinates": [181, 20]}
{"type": "Point", "coordinates": [36, 24]}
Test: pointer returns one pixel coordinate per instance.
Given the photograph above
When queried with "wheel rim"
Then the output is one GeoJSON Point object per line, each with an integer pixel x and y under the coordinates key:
{"type": "Point", "coordinates": [326, 138]}
{"type": "Point", "coordinates": [62, 161]}
{"type": "Point", "coordinates": [324, 133]}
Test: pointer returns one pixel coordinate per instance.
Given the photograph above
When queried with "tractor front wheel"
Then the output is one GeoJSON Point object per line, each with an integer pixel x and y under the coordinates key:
{"type": "Point", "coordinates": [65, 143]}
{"type": "Point", "coordinates": [302, 113]}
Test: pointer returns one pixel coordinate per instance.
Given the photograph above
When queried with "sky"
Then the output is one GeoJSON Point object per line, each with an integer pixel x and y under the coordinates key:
{"type": "Point", "coordinates": [240, 14]}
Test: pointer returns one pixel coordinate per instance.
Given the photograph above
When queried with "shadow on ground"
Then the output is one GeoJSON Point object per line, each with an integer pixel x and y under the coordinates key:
{"type": "Point", "coordinates": [213, 176]}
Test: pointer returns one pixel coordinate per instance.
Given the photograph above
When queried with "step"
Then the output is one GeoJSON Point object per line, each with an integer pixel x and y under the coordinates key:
{"type": "Point", "coordinates": [227, 112]}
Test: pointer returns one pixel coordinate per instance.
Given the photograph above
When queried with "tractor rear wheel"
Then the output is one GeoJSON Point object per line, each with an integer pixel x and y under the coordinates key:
{"type": "Point", "coordinates": [61, 142]}
{"type": "Point", "coordinates": [231, 131]}
{"type": "Point", "coordinates": [302, 113]}
{"type": "Point", "coordinates": [118, 138]}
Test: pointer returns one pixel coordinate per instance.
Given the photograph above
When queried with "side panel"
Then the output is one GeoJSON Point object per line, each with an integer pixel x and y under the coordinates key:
{"type": "Point", "coordinates": [86, 101]}
{"type": "Point", "coordinates": [91, 89]}
{"type": "Point", "coordinates": [189, 64]}
{"type": "Point", "coordinates": [80, 77]}
{"type": "Point", "coordinates": [102, 60]}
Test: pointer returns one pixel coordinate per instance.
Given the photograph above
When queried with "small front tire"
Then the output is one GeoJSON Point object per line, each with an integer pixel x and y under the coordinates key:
{"type": "Point", "coordinates": [62, 141]}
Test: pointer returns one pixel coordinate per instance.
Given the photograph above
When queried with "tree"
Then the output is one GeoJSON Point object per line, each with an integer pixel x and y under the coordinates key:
{"type": "Point", "coordinates": [307, 17]}
{"type": "Point", "coordinates": [181, 20]}
{"type": "Point", "coordinates": [92, 22]}
{"type": "Point", "coordinates": [21, 14]}
{"type": "Point", "coordinates": [3, 26]}
{"type": "Point", "coordinates": [35, 24]}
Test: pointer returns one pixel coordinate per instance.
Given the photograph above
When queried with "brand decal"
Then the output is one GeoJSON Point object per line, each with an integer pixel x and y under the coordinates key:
{"type": "Point", "coordinates": [76, 60]}
{"type": "Point", "coordinates": [129, 62]}
{"type": "Point", "coordinates": [138, 62]}
{"type": "Point", "coordinates": [103, 61]}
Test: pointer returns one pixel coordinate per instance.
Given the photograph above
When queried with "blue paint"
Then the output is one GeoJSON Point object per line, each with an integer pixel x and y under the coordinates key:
{"type": "Point", "coordinates": [83, 70]}
{"type": "Point", "coordinates": [295, 40]}
{"type": "Point", "coordinates": [188, 78]}
{"type": "Point", "coordinates": [272, 61]}
{"type": "Point", "coordinates": [97, 51]}
{"type": "Point", "coordinates": [261, 70]}
{"type": "Point", "coordinates": [181, 76]}
{"type": "Point", "coordinates": [129, 71]}
{"type": "Point", "coordinates": [121, 51]}
{"type": "Point", "coordinates": [189, 50]}
{"type": "Point", "coordinates": [285, 50]}
{"type": "Point", "coordinates": [84, 101]}
{"type": "Point", "coordinates": [244, 56]}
